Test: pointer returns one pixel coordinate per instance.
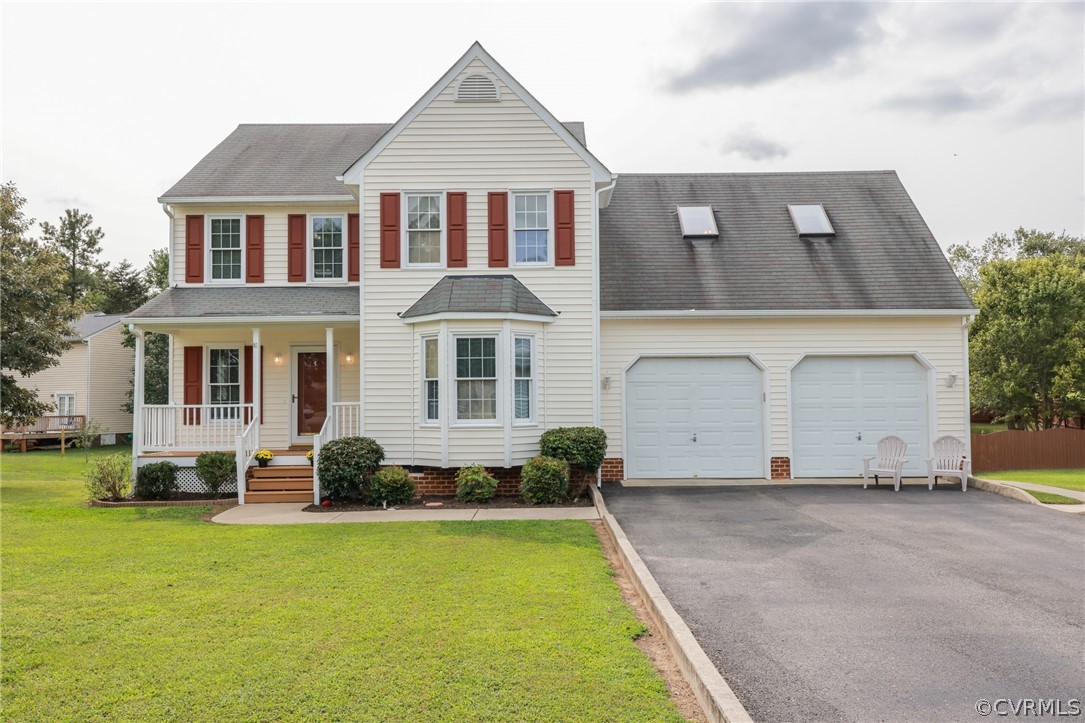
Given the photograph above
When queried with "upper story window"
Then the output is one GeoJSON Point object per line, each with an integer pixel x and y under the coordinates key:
{"type": "Point", "coordinates": [476, 379]}
{"type": "Point", "coordinates": [225, 248]}
{"type": "Point", "coordinates": [326, 244]}
{"type": "Point", "coordinates": [531, 228]}
{"type": "Point", "coordinates": [424, 225]}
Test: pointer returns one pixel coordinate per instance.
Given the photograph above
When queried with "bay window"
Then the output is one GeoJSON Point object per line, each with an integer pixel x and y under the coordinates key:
{"type": "Point", "coordinates": [476, 379]}
{"type": "Point", "coordinates": [523, 380]}
{"type": "Point", "coordinates": [431, 385]}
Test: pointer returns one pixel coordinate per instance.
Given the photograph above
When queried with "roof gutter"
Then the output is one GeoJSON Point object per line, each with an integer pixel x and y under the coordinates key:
{"type": "Point", "coordinates": [250, 320]}
{"type": "Point", "coordinates": [337, 198]}
{"type": "Point", "coordinates": [762, 313]}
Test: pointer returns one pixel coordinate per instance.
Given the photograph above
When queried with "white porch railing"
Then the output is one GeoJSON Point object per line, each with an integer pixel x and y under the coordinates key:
{"type": "Point", "coordinates": [192, 427]}
{"type": "Point", "coordinates": [344, 421]}
{"type": "Point", "coordinates": [248, 442]}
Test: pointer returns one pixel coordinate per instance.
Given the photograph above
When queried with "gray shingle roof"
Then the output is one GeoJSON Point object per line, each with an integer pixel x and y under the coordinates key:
{"type": "Point", "coordinates": [496, 293]}
{"type": "Point", "coordinates": [91, 324]}
{"type": "Point", "coordinates": [257, 301]}
{"type": "Point", "coordinates": [883, 256]}
{"type": "Point", "coordinates": [283, 159]}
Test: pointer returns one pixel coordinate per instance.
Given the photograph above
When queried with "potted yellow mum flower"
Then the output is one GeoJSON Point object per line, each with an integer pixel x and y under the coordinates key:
{"type": "Point", "coordinates": [264, 456]}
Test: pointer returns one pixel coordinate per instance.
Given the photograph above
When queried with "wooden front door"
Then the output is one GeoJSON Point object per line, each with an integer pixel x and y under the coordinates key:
{"type": "Point", "coordinates": [309, 398]}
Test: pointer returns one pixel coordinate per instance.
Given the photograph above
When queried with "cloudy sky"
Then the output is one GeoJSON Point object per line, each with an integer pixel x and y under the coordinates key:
{"type": "Point", "coordinates": [979, 107]}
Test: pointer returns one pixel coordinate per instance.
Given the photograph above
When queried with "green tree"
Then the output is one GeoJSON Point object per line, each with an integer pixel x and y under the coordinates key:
{"type": "Point", "coordinates": [967, 260]}
{"type": "Point", "coordinates": [35, 313]}
{"type": "Point", "coordinates": [157, 271]}
{"type": "Point", "coordinates": [1027, 347]}
{"type": "Point", "coordinates": [75, 240]}
{"type": "Point", "coordinates": [156, 360]}
{"type": "Point", "coordinates": [121, 289]}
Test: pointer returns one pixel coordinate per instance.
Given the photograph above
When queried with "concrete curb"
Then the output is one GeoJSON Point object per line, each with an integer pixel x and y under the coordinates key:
{"type": "Point", "coordinates": [718, 701]}
{"type": "Point", "coordinates": [999, 488]}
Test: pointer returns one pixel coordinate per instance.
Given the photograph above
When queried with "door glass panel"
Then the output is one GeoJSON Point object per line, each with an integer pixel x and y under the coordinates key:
{"type": "Point", "coordinates": [312, 404]}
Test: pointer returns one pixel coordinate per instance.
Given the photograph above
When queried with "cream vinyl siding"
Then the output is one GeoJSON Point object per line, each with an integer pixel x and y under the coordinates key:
{"type": "Point", "coordinates": [110, 370]}
{"type": "Point", "coordinates": [275, 234]}
{"type": "Point", "coordinates": [69, 376]}
{"type": "Point", "coordinates": [275, 428]}
{"type": "Point", "coordinates": [779, 344]}
{"type": "Point", "coordinates": [477, 148]}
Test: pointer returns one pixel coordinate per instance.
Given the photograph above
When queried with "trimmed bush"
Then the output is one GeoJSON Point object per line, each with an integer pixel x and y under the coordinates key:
{"type": "Point", "coordinates": [108, 477]}
{"type": "Point", "coordinates": [586, 446]}
{"type": "Point", "coordinates": [390, 485]}
{"type": "Point", "coordinates": [346, 464]}
{"type": "Point", "coordinates": [544, 480]}
{"type": "Point", "coordinates": [216, 470]}
{"type": "Point", "coordinates": [156, 481]}
{"type": "Point", "coordinates": [475, 484]}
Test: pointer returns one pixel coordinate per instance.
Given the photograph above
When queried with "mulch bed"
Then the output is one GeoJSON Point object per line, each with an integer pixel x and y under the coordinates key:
{"type": "Point", "coordinates": [447, 503]}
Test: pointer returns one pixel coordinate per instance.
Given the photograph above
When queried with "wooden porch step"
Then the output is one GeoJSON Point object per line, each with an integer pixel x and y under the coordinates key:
{"type": "Point", "coordinates": [265, 484]}
{"type": "Point", "coordinates": [282, 470]}
{"type": "Point", "coordinates": [278, 496]}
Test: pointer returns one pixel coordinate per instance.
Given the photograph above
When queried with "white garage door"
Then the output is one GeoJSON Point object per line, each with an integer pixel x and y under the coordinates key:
{"type": "Point", "coordinates": [842, 406]}
{"type": "Point", "coordinates": [692, 417]}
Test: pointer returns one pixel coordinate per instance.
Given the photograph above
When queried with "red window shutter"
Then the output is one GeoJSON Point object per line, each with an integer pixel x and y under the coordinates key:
{"type": "Point", "coordinates": [295, 247]}
{"type": "Point", "coordinates": [194, 249]}
{"type": "Point", "coordinates": [499, 228]}
{"type": "Point", "coordinates": [354, 249]}
{"type": "Point", "coordinates": [247, 394]}
{"type": "Point", "coordinates": [193, 383]}
{"type": "Point", "coordinates": [457, 229]}
{"type": "Point", "coordinates": [254, 249]}
{"type": "Point", "coordinates": [389, 230]}
{"type": "Point", "coordinates": [564, 231]}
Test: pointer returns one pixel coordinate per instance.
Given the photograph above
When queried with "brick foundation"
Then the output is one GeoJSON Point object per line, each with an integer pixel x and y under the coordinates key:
{"type": "Point", "coordinates": [441, 481]}
{"type": "Point", "coordinates": [781, 467]}
{"type": "Point", "coordinates": [613, 469]}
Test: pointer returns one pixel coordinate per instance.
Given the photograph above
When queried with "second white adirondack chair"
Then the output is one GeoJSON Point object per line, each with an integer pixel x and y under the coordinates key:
{"type": "Point", "coordinates": [949, 460]}
{"type": "Point", "coordinates": [889, 461]}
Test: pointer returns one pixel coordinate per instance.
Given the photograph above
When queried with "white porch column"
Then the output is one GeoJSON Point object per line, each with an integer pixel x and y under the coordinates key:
{"type": "Point", "coordinates": [257, 379]}
{"type": "Point", "coordinates": [137, 398]}
{"type": "Point", "coordinates": [330, 363]}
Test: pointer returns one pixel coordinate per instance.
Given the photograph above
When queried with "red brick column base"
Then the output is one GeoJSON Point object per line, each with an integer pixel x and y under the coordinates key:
{"type": "Point", "coordinates": [613, 469]}
{"type": "Point", "coordinates": [781, 467]}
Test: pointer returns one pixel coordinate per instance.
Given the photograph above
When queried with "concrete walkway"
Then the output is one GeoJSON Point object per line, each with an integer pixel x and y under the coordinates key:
{"type": "Point", "coordinates": [1046, 488]}
{"type": "Point", "coordinates": [291, 513]}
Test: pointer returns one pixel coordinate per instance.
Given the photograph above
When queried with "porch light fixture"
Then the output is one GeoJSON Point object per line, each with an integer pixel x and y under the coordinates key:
{"type": "Point", "coordinates": [951, 380]}
{"type": "Point", "coordinates": [278, 359]}
{"type": "Point", "coordinates": [349, 358]}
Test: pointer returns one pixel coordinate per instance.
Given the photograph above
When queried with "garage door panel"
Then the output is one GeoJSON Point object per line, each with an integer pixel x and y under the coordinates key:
{"type": "Point", "coordinates": [836, 398]}
{"type": "Point", "coordinates": [716, 399]}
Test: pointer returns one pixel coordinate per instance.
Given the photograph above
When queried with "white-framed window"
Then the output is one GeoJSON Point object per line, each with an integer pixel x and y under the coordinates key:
{"type": "Point", "coordinates": [523, 378]}
{"type": "Point", "coordinates": [224, 379]}
{"type": "Point", "coordinates": [532, 237]}
{"type": "Point", "coordinates": [226, 248]}
{"type": "Point", "coordinates": [476, 378]}
{"type": "Point", "coordinates": [65, 405]}
{"type": "Point", "coordinates": [424, 228]}
{"type": "Point", "coordinates": [431, 383]}
{"type": "Point", "coordinates": [327, 247]}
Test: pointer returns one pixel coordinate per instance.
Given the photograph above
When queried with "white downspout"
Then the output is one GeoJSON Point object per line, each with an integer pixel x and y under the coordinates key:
{"type": "Point", "coordinates": [966, 323]}
{"type": "Point", "coordinates": [596, 417]}
{"type": "Point", "coordinates": [169, 243]}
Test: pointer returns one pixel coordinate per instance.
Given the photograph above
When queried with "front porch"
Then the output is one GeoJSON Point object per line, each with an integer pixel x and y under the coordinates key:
{"type": "Point", "coordinates": [283, 387]}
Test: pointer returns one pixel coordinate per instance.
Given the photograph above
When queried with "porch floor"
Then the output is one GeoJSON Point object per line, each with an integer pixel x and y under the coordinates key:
{"type": "Point", "coordinates": [294, 451]}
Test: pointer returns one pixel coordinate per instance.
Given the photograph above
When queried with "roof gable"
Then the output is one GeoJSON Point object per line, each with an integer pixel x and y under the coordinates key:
{"type": "Point", "coordinates": [353, 174]}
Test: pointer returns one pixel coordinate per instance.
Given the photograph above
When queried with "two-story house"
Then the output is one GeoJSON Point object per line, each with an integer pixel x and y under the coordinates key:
{"type": "Point", "coordinates": [457, 282]}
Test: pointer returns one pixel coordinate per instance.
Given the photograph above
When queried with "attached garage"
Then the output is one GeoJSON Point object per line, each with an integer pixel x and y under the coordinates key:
{"type": "Point", "coordinates": [694, 417]}
{"type": "Point", "coordinates": [842, 405]}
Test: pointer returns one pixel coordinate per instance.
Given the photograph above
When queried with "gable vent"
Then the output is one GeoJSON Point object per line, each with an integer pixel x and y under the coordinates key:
{"type": "Point", "coordinates": [477, 89]}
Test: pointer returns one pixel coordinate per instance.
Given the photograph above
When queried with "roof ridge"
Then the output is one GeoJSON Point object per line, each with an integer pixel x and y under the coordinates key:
{"type": "Point", "coordinates": [882, 171]}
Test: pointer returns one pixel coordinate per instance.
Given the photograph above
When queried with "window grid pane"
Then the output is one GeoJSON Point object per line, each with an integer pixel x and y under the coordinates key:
{"type": "Point", "coordinates": [327, 247]}
{"type": "Point", "coordinates": [522, 378]}
{"type": "Point", "coordinates": [476, 378]}
{"type": "Point", "coordinates": [531, 228]}
{"type": "Point", "coordinates": [225, 248]}
{"type": "Point", "coordinates": [224, 381]}
{"type": "Point", "coordinates": [424, 229]}
{"type": "Point", "coordinates": [431, 384]}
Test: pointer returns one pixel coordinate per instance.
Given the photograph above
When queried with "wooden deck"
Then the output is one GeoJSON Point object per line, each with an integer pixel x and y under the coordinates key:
{"type": "Point", "coordinates": [296, 451]}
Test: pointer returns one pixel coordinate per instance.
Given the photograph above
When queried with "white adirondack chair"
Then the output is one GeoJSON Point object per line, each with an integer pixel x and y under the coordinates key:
{"type": "Point", "coordinates": [949, 460]}
{"type": "Point", "coordinates": [889, 461]}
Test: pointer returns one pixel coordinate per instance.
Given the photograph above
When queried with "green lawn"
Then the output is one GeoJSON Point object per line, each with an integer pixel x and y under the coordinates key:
{"type": "Point", "coordinates": [139, 614]}
{"type": "Point", "coordinates": [1069, 479]}
{"type": "Point", "coordinates": [1052, 499]}
{"type": "Point", "coordinates": [978, 428]}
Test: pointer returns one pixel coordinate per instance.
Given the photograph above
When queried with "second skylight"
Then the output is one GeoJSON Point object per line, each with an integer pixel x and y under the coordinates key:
{"type": "Point", "coordinates": [697, 221]}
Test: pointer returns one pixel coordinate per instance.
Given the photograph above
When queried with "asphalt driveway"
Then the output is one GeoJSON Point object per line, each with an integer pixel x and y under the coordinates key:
{"type": "Point", "coordinates": [835, 603]}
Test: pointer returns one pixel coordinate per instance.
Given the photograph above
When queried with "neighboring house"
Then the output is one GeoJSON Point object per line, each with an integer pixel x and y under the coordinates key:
{"type": "Point", "coordinates": [91, 379]}
{"type": "Point", "coordinates": [457, 282]}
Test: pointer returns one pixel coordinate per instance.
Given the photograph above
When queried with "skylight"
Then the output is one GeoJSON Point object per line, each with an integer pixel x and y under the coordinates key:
{"type": "Point", "coordinates": [810, 219]}
{"type": "Point", "coordinates": [697, 221]}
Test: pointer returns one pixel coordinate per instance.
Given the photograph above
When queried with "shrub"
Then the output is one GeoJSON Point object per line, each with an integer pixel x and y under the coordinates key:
{"type": "Point", "coordinates": [475, 484]}
{"type": "Point", "coordinates": [391, 485]}
{"type": "Point", "coordinates": [156, 481]}
{"type": "Point", "coordinates": [585, 446]}
{"type": "Point", "coordinates": [345, 465]}
{"type": "Point", "coordinates": [544, 480]}
{"type": "Point", "coordinates": [108, 477]}
{"type": "Point", "coordinates": [216, 470]}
